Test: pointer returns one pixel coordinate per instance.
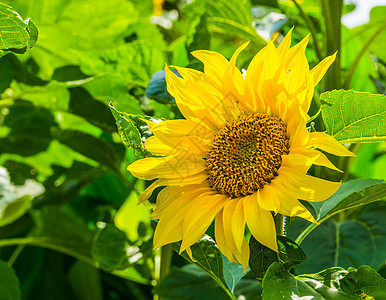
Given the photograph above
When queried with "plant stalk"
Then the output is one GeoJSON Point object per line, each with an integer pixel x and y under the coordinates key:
{"type": "Point", "coordinates": [311, 28]}
{"type": "Point", "coordinates": [279, 224]}
{"type": "Point", "coordinates": [332, 13]}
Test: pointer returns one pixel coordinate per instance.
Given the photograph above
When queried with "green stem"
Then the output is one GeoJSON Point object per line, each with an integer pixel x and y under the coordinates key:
{"type": "Point", "coordinates": [354, 64]}
{"type": "Point", "coordinates": [166, 261]}
{"type": "Point", "coordinates": [332, 13]}
{"type": "Point", "coordinates": [279, 224]}
{"type": "Point", "coordinates": [311, 28]}
{"type": "Point", "coordinates": [42, 242]}
{"type": "Point", "coordinates": [355, 148]}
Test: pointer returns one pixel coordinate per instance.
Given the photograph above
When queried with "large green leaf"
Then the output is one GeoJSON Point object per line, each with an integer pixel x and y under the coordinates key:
{"type": "Point", "coordinates": [209, 258]}
{"type": "Point", "coordinates": [358, 240]}
{"type": "Point", "coordinates": [99, 150]}
{"type": "Point", "coordinates": [350, 194]}
{"type": "Point", "coordinates": [331, 284]}
{"type": "Point", "coordinates": [261, 257]}
{"type": "Point", "coordinates": [9, 283]}
{"type": "Point", "coordinates": [109, 248]}
{"type": "Point", "coordinates": [59, 230]}
{"type": "Point", "coordinates": [16, 35]}
{"type": "Point", "coordinates": [189, 282]}
{"type": "Point", "coordinates": [28, 126]}
{"type": "Point", "coordinates": [232, 17]}
{"type": "Point", "coordinates": [354, 117]}
{"type": "Point", "coordinates": [364, 282]}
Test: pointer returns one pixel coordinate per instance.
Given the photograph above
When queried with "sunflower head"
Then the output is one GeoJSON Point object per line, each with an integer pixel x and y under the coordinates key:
{"type": "Point", "coordinates": [242, 152]}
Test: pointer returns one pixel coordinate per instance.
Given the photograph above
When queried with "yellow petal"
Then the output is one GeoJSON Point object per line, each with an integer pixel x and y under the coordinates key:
{"type": "Point", "coordinates": [166, 167]}
{"type": "Point", "coordinates": [320, 158]}
{"type": "Point", "coordinates": [180, 128]}
{"type": "Point", "coordinates": [156, 146]}
{"type": "Point", "coordinates": [199, 217]}
{"type": "Point", "coordinates": [320, 69]}
{"type": "Point", "coordinates": [294, 53]}
{"type": "Point", "coordinates": [238, 224]}
{"type": "Point", "coordinates": [169, 227]}
{"type": "Point", "coordinates": [285, 44]}
{"type": "Point", "coordinates": [268, 199]}
{"type": "Point", "coordinates": [214, 64]}
{"type": "Point", "coordinates": [193, 94]}
{"type": "Point", "coordinates": [296, 162]}
{"type": "Point", "coordinates": [221, 241]}
{"type": "Point", "coordinates": [327, 143]}
{"type": "Point", "coordinates": [148, 191]}
{"type": "Point", "coordinates": [233, 80]}
{"type": "Point", "coordinates": [292, 207]}
{"type": "Point", "coordinates": [323, 189]}
{"type": "Point", "coordinates": [166, 197]}
{"type": "Point", "coordinates": [260, 222]}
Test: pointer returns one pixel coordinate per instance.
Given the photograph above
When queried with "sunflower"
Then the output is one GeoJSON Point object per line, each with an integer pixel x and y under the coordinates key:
{"type": "Point", "coordinates": [243, 151]}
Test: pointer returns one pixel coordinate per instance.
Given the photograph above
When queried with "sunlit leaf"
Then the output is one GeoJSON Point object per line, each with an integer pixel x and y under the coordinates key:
{"type": "Point", "coordinates": [16, 35]}
{"type": "Point", "coordinates": [330, 284]}
{"type": "Point", "coordinates": [354, 117]}
{"type": "Point", "coordinates": [130, 216]}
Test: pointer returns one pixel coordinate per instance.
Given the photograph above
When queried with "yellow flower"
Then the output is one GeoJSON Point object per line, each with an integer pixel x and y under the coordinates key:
{"type": "Point", "coordinates": [242, 152]}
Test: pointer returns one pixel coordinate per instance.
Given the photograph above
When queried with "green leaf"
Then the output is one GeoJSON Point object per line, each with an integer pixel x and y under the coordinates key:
{"type": "Point", "coordinates": [232, 273]}
{"type": "Point", "coordinates": [28, 126]}
{"type": "Point", "coordinates": [350, 194]}
{"type": "Point", "coordinates": [130, 216]}
{"type": "Point", "coordinates": [133, 131]}
{"type": "Point", "coordinates": [109, 248]}
{"type": "Point", "coordinates": [365, 282]}
{"type": "Point", "coordinates": [210, 259]}
{"type": "Point", "coordinates": [232, 17]}
{"type": "Point", "coordinates": [97, 149]}
{"type": "Point", "coordinates": [189, 282]}
{"type": "Point", "coordinates": [279, 283]}
{"type": "Point", "coordinates": [9, 283]}
{"type": "Point", "coordinates": [16, 35]}
{"type": "Point", "coordinates": [198, 36]}
{"type": "Point", "coordinates": [95, 112]}
{"type": "Point", "coordinates": [358, 240]}
{"type": "Point", "coordinates": [354, 117]}
{"type": "Point", "coordinates": [290, 254]}
{"type": "Point", "coordinates": [248, 288]}
{"type": "Point", "coordinates": [6, 73]}
{"type": "Point", "coordinates": [57, 229]}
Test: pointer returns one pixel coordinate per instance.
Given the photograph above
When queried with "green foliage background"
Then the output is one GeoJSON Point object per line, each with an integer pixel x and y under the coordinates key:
{"type": "Point", "coordinates": [69, 224]}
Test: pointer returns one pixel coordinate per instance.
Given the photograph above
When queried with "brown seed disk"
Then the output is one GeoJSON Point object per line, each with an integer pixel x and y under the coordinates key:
{"type": "Point", "coordinates": [246, 154]}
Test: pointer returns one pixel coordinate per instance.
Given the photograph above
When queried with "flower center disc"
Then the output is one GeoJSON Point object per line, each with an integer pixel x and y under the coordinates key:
{"type": "Point", "coordinates": [246, 154]}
